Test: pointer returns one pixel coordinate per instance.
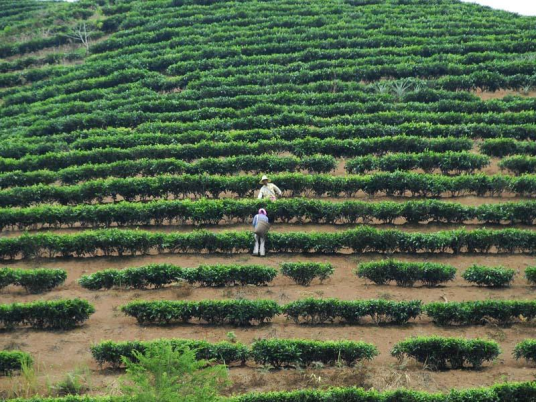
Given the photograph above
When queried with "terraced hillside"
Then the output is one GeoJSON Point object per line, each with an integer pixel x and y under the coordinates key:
{"type": "Point", "coordinates": [134, 134]}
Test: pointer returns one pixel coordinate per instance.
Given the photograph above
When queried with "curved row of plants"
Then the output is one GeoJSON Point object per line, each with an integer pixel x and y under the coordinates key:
{"type": "Point", "coordinates": [319, 311]}
{"type": "Point", "coordinates": [226, 211]}
{"type": "Point", "coordinates": [158, 275]}
{"type": "Point", "coordinates": [292, 184]}
{"type": "Point", "coordinates": [511, 391]}
{"type": "Point", "coordinates": [156, 167]}
{"type": "Point", "coordinates": [448, 162]}
{"type": "Point", "coordinates": [364, 239]}
{"type": "Point", "coordinates": [432, 274]}
{"type": "Point", "coordinates": [208, 149]}
{"type": "Point", "coordinates": [273, 352]}
{"type": "Point", "coordinates": [174, 133]}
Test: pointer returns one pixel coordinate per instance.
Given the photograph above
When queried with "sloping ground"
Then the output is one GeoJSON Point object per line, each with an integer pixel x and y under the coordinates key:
{"type": "Point", "coordinates": [177, 100]}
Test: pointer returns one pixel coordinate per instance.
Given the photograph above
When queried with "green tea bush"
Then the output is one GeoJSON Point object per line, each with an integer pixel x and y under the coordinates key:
{"type": "Point", "coordinates": [56, 314]}
{"type": "Point", "coordinates": [406, 273]}
{"type": "Point", "coordinates": [111, 353]}
{"type": "Point", "coordinates": [526, 349]}
{"type": "Point", "coordinates": [12, 360]}
{"type": "Point", "coordinates": [303, 273]}
{"type": "Point", "coordinates": [495, 277]}
{"type": "Point", "coordinates": [229, 275]}
{"type": "Point", "coordinates": [480, 312]}
{"type": "Point", "coordinates": [317, 311]}
{"type": "Point", "coordinates": [33, 280]}
{"type": "Point", "coordinates": [530, 274]}
{"type": "Point", "coordinates": [438, 353]}
{"type": "Point", "coordinates": [286, 352]}
{"type": "Point", "coordinates": [158, 275]}
{"type": "Point", "coordinates": [220, 312]}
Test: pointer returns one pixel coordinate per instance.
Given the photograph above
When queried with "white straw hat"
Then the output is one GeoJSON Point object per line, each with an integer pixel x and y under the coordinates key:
{"type": "Point", "coordinates": [264, 178]}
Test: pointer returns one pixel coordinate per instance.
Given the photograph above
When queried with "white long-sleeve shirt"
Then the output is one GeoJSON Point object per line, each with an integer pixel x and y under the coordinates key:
{"type": "Point", "coordinates": [270, 191]}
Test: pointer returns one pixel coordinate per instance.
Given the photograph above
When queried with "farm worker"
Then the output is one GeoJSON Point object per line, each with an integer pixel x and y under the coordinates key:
{"type": "Point", "coordinates": [268, 190]}
{"type": "Point", "coordinates": [261, 225]}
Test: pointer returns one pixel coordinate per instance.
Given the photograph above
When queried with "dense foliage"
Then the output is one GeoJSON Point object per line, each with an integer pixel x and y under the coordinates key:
{"type": "Point", "coordinates": [440, 353]}
{"type": "Point", "coordinates": [303, 273]}
{"type": "Point", "coordinates": [495, 277]}
{"type": "Point", "coordinates": [12, 360]}
{"type": "Point", "coordinates": [33, 280]}
{"type": "Point", "coordinates": [406, 273]}
{"type": "Point", "coordinates": [232, 312]}
{"type": "Point", "coordinates": [56, 314]}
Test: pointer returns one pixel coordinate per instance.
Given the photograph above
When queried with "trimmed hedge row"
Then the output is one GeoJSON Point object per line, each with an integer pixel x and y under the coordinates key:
{"type": "Point", "coordinates": [303, 273]}
{"type": "Point", "coordinates": [437, 353]}
{"type": "Point", "coordinates": [318, 311]}
{"type": "Point", "coordinates": [530, 274]}
{"type": "Point", "coordinates": [495, 277]}
{"type": "Point", "coordinates": [512, 391]}
{"type": "Point", "coordinates": [12, 360]}
{"type": "Point", "coordinates": [406, 273]}
{"type": "Point", "coordinates": [292, 184]}
{"type": "Point", "coordinates": [448, 162]}
{"type": "Point", "coordinates": [156, 167]}
{"type": "Point", "coordinates": [33, 280]}
{"type": "Point", "coordinates": [158, 275]}
{"type": "Point", "coordinates": [364, 239]}
{"type": "Point", "coordinates": [286, 352]}
{"type": "Point", "coordinates": [112, 353]}
{"type": "Point", "coordinates": [275, 352]}
{"type": "Point", "coordinates": [232, 312]}
{"type": "Point", "coordinates": [284, 210]}
{"type": "Point", "coordinates": [54, 161]}
{"type": "Point", "coordinates": [500, 147]}
{"type": "Point", "coordinates": [481, 312]}
{"type": "Point", "coordinates": [56, 314]}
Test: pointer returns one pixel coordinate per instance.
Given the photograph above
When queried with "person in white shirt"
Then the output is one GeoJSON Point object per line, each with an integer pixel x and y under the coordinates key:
{"type": "Point", "coordinates": [269, 190]}
{"type": "Point", "coordinates": [261, 226]}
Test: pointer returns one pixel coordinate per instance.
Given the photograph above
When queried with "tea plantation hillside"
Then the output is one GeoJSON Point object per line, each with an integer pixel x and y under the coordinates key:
{"type": "Point", "coordinates": [134, 134]}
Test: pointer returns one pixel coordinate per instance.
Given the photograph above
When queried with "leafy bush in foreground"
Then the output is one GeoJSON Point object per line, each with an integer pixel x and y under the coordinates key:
{"type": "Point", "coordinates": [438, 353]}
{"type": "Point", "coordinates": [303, 273]}
{"type": "Point", "coordinates": [530, 274]}
{"type": "Point", "coordinates": [109, 352]}
{"type": "Point", "coordinates": [11, 360]}
{"type": "Point", "coordinates": [285, 352]}
{"type": "Point", "coordinates": [406, 273]}
{"type": "Point", "coordinates": [495, 277]}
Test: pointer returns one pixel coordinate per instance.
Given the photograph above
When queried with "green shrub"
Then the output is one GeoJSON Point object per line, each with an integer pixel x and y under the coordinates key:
{"type": "Point", "coordinates": [153, 275]}
{"type": "Point", "coordinates": [11, 360]}
{"type": "Point", "coordinates": [33, 280]}
{"type": "Point", "coordinates": [229, 275]}
{"type": "Point", "coordinates": [317, 311]}
{"type": "Point", "coordinates": [112, 353]}
{"type": "Point", "coordinates": [406, 273]}
{"type": "Point", "coordinates": [285, 352]}
{"type": "Point", "coordinates": [526, 349]}
{"type": "Point", "coordinates": [158, 275]}
{"type": "Point", "coordinates": [303, 273]}
{"type": "Point", "coordinates": [495, 277]}
{"type": "Point", "coordinates": [60, 314]}
{"type": "Point", "coordinates": [232, 312]}
{"type": "Point", "coordinates": [530, 274]}
{"type": "Point", "coordinates": [439, 353]}
{"type": "Point", "coordinates": [480, 312]}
